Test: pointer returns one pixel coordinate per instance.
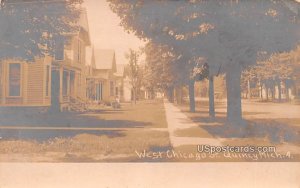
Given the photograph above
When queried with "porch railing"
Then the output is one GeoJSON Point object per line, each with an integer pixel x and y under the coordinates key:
{"type": "Point", "coordinates": [66, 99]}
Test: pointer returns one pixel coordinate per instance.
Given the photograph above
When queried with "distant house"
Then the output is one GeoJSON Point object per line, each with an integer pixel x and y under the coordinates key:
{"type": "Point", "coordinates": [57, 81]}
{"type": "Point", "coordinates": [102, 82]}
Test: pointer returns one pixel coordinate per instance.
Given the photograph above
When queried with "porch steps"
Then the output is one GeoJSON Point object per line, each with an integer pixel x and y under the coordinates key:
{"type": "Point", "coordinates": [77, 105]}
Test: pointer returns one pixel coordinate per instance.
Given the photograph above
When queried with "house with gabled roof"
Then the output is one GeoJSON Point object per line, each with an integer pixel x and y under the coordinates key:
{"type": "Point", "coordinates": [102, 82]}
{"type": "Point", "coordinates": [68, 83]}
{"type": "Point", "coordinates": [58, 82]}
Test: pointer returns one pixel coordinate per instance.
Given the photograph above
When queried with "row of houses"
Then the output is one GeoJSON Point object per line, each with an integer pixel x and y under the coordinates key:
{"type": "Point", "coordinates": [106, 80]}
{"type": "Point", "coordinates": [77, 75]}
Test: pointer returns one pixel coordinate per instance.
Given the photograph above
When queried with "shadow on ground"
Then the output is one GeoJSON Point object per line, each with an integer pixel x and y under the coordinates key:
{"type": "Point", "coordinates": [45, 135]}
{"type": "Point", "coordinates": [274, 130]}
{"type": "Point", "coordinates": [67, 119]}
{"type": "Point", "coordinates": [62, 119]}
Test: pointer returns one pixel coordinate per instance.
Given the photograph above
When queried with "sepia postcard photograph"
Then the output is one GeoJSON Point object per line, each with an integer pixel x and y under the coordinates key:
{"type": "Point", "coordinates": [153, 82]}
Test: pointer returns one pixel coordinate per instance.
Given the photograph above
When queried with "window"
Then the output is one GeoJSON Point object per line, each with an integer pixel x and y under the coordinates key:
{"type": "Point", "coordinates": [47, 80]}
{"type": "Point", "coordinates": [79, 52]}
{"type": "Point", "coordinates": [117, 91]}
{"type": "Point", "coordinates": [65, 83]}
{"type": "Point", "coordinates": [112, 88]}
{"type": "Point", "coordinates": [79, 81]}
{"type": "Point", "coordinates": [99, 91]}
{"type": "Point", "coordinates": [14, 79]}
{"type": "Point", "coordinates": [59, 50]}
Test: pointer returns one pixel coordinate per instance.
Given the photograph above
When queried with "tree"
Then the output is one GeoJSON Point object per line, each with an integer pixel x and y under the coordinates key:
{"type": "Point", "coordinates": [278, 68]}
{"type": "Point", "coordinates": [229, 34]}
{"type": "Point", "coordinates": [134, 72]}
{"type": "Point", "coordinates": [170, 71]}
{"type": "Point", "coordinates": [201, 74]}
{"type": "Point", "coordinates": [31, 29]}
{"type": "Point", "coordinates": [159, 66]}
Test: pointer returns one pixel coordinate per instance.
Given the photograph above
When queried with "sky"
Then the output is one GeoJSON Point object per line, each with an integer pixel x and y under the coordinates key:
{"type": "Point", "coordinates": [105, 31]}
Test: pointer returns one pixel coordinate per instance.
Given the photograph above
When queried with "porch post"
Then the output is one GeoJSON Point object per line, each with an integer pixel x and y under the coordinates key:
{"type": "Point", "coordinates": [68, 83]}
{"type": "Point", "coordinates": [75, 84]}
{"type": "Point", "coordinates": [97, 94]}
{"type": "Point", "coordinates": [61, 75]}
{"type": "Point", "coordinates": [3, 82]}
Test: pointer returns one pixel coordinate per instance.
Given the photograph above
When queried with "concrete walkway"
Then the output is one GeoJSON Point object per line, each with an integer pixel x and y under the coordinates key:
{"type": "Point", "coordinates": [177, 120]}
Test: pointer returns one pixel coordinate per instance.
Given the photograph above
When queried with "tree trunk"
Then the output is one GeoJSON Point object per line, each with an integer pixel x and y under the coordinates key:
{"type": "Point", "coordinates": [273, 90]}
{"type": "Point", "coordinates": [267, 93]}
{"type": "Point", "coordinates": [287, 94]}
{"type": "Point", "coordinates": [233, 84]}
{"type": "Point", "coordinates": [192, 95]}
{"type": "Point", "coordinates": [211, 97]}
{"type": "Point", "coordinates": [279, 91]}
{"type": "Point", "coordinates": [134, 95]}
{"type": "Point", "coordinates": [181, 95]}
{"type": "Point", "coordinates": [178, 93]}
{"type": "Point", "coordinates": [171, 94]}
{"type": "Point", "coordinates": [261, 90]}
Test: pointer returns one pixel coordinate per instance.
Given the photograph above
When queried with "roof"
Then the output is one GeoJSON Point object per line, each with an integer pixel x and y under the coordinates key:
{"type": "Point", "coordinates": [105, 59]}
{"type": "Point", "coordinates": [83, 20]}
{"type": "Point", "coordinates": [84, 25]}
{"type": "Point", "coordinates": [88, 55]}
{"type": "Point", "coordinates": [120, 69]}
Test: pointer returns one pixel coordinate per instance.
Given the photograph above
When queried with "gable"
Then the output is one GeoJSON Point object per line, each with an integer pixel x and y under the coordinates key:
{"type": "Point", "coordinates": [105, 59]}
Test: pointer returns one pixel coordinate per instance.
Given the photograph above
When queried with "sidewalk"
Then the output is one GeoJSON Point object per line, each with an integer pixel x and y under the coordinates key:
{"type": "Point", "coordinates": [177, 120]}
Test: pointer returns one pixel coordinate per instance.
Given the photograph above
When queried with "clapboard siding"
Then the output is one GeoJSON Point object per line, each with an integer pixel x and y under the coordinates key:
{"type": "Point", "coordinates": [13, 100]}
{"type": "Point", "coordinates": [35, 83]}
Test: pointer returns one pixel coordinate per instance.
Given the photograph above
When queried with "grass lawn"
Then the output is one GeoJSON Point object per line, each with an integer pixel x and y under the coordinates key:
{"type": "Point", "coordinates": [150, 114]}
{"type": "Point", "coordinates": [260, 121]}
{"type": "Point", "coordinates": [133, 127]}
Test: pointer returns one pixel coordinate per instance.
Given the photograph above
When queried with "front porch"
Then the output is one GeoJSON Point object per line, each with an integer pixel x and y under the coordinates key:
{"type": "Point", "coordinates": [66, 88]}
{"type": "Point", "coordinates": [95, 90]}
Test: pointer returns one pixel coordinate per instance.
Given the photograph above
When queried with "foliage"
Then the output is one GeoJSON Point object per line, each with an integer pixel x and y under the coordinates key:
{"type": "Point", "coordinates": [135, 72]}
{"type": "Point", "coordinates": [225, 33]}
{"type": "Point", "coordinates": [31, 29]}
{"type": "Point", "coordinates": [279, 67]}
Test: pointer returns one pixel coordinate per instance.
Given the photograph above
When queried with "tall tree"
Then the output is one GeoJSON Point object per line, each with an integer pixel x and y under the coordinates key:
{"type": "Point", "coordinates": [134, 72]}
{"type": "Point", "coordinates": [229, 34]}
{"type": "Point", "coordinates": [159, 62]}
